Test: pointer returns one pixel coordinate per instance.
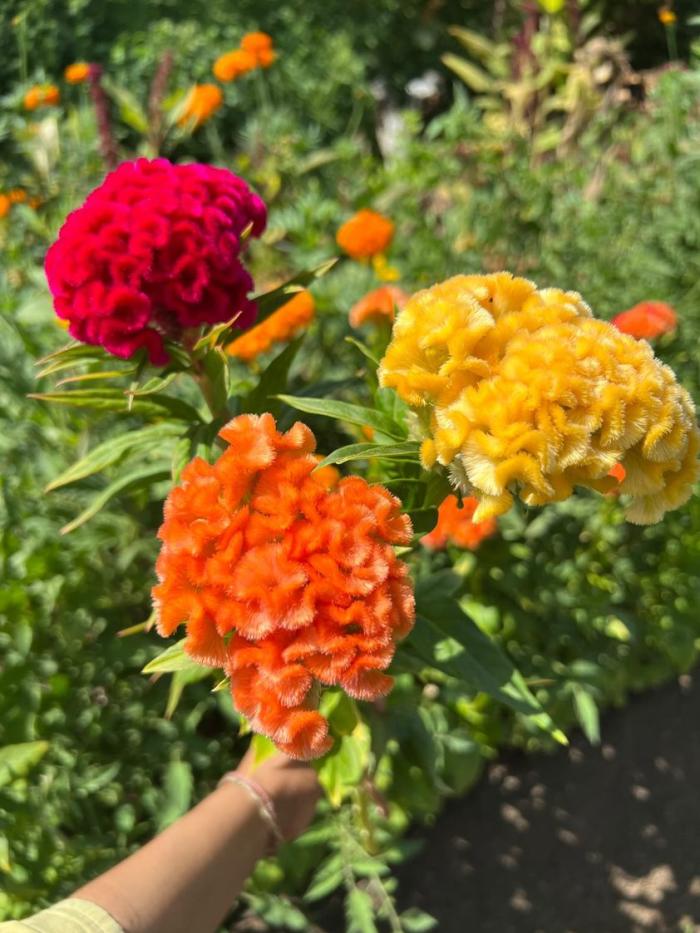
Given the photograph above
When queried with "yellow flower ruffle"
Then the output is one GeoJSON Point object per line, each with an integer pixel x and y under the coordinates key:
{"type": "Point", "coordinates": [519, 390]}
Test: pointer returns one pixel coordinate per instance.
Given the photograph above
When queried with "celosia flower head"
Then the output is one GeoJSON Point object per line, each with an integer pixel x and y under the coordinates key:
{"type": "Point", "coordinates": [365, 234]}
{"type": "Point", "coordinates": [200, 104]}
{"type": "Point", "coordinates": [520, 391]}
{"type": "Point", "coordinates": [378, 305]}
{"type": "Point", "coordinates": [646, 320]}
{"type": "Point", "coordinates": [284, 576]}
{"type": "Point", "coordinates": [41, 95]}
{"type": "Point", "coordinates": [282, 325]}
{"type": "Point", "coordinates": [154, 251]}
{"type": "Point", "coordinates": [77, 73]}
{"type": "Point", "coordinates": [455, 525]}
{"type": "Point", "coordinates": [233, 64]}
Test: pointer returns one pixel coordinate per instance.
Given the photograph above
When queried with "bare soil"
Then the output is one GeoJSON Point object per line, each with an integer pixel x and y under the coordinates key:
{"type": "Point", "coordinates": [590, 840]}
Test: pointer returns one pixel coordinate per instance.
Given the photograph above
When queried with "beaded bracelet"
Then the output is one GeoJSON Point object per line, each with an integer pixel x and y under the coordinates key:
{"type": "Point", "coordinates": [261, 797]}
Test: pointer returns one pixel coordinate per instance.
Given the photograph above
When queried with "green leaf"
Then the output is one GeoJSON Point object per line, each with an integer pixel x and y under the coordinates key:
{"type": "Point", "coordinates": [476, 44]}
{"type": "Point", "coordinates": [328, 877]}
{"type": "Point", "coordinates": [406, 450]}
{"type": "Point", "coordinates": [156, 406]}
{"type": "Point", "coordinates": [130, 110]}
{"type": "Point", "coordinates": [177, 786]}
{"type": "Point", "coordinates": [344, 411]}
{"type": "Point", "coordinates": [70, 355]}
{"type": "Point", "coordinates": [136, 479]}
{"type": "Point", "coordinates": [414, 920]}
{"type": "Point", "coordinates": [112, 450]}
{"type": "Point", "coordinates": [263, 748]}
{"type": "Point", "coordinates": [359, 912]}
{"type": "Point", "coordinates": [171, 660]}
{"type": "Point", "coordinates": [587, 713]}
{"type": "Point", "coordinates": [342, 769]}
{"type": "Point", "coordinates": [178, 682]}
{"type": "Point", "coordinates": [340, 711]}
{"type": "Point", "coordinates": [17, 760]}
{"type": "Point", "coordinates": [215, 365]}
{"type": "Point", "coordinates": [5, 865]}
{"type": "Point", "coordinates": [272, 381]}
{"type": "Point", "coordinates": [92, 377]}
{"type": "Point", "coordinates": [474, 77]}
{"type": "Point", "coordinates": [423, 520]}
{"type": "Point", "coordinates": [448, 640]}
{"type": "Point", "coordinates": [363, 348]}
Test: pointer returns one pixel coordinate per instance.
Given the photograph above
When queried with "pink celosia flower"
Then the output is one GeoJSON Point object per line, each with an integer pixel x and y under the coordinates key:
{"type": "Point", "coordinates": [154, 251]}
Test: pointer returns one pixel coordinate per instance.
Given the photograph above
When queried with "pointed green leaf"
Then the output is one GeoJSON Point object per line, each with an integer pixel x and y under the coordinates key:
{"type": "Point", "coordinates": [474, 77]}
{"type": "Point", "coordinates": [272, 381]}
{"type": "Point", "coordinates": [587, 713]}
{"type": "Point", "coordinates": [170, 660]}
{"type": "Point", "coordinates": [155, 406]}
{"type": "Point", "coordinates": [112, 450]}
{"type": "Point", "coordinates": [476, 44]}
{"type": "Point", "coordinates": [344, 411]}
{"type": "Point", "coordinates": [178, 786]}
{"type": "Point", "coordinates": [17, 760]}
{"type": "Point", "coordinates": [136, 479]}
{"type": "Point", "coordinates": [359, 912]}
{"type": "Point", "coordinates": [406, 450]}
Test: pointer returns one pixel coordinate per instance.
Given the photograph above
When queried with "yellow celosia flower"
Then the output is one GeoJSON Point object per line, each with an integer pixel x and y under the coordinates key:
{"type": "Point", "coordinates": [519, 390]}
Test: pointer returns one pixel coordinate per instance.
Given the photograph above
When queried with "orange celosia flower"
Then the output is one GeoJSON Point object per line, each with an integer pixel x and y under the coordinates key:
{"type": "Point", "coordinates": [646, 320]}
{"type": "Point", "coordinates": [378, 305]}
{"type": "Point", "coordinates": [284, 576]}
{"type": "Point", "coordinates": [77, 73]}
{"type": "Point", "coordinates": [256, 42]}
{"type": "Point", "coordinates": [41, 95]}
{"type": "Point", "coordinates": [280, 326]}
{"type": "Point", "coordinates": [233, 64]}
{"type": "Point", "coordinates": [366, 234]}
{"type": "Point", "coordinates": [5, 205]}
{"type": "Point", "coordinates": [17, 196]}
{"type": "Point", "coordinates": [455, 525]}
{"type": "Point", "coordinates": [202, 101]}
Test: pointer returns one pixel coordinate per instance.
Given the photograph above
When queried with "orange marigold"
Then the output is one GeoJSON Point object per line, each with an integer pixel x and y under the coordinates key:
{"type": "Point", "coordinates": [286, 576]}
{"type": "Point", "coordinates": [5, 205]}
{"type": "Point", "coordinates": [17, 196]}
{"type": "Point", "coordinates": [202, 101]}
{"type": "Point", "coordinates": [77, 73]}
{"type": "Point", "coordinates": [256, 42]}
{"type": "Point", "coordinates": [233, 64]}
{"type": "Point", "coordinates": [378, 305]}
{"type": "Point", "coordinates": [646, 320]}
{"type": "Point", "coordinates": [366, 234]}
{"type": "Point", "coordinates": [455, 525]}
{"type": "Point", "coordinates": [41, 95]}
{"type": "Point", "coordinates": [280, 326]}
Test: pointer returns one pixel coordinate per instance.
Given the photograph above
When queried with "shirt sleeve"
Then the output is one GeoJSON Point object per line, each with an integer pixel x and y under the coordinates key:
{"type": "Point", "coordinates": [70, 916]}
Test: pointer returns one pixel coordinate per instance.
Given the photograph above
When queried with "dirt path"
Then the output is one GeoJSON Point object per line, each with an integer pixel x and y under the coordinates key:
{"type": "Point", "coordinates": [591, 840]}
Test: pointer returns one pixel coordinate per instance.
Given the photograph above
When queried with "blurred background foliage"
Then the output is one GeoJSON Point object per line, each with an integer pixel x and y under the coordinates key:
{"type": "Point", "coordinates": [586, 606]}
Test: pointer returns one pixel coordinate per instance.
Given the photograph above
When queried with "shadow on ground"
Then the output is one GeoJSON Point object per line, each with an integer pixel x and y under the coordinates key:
{"type": "Point", "coordinates": [590, 840]}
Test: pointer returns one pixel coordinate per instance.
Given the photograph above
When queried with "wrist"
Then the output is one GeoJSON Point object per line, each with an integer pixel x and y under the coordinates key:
{"type": "Point", "coordinates": [262, 802]}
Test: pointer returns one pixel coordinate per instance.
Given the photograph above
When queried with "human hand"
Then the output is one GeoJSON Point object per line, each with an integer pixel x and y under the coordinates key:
{"type": "Point", "coordinates": [292, 786]}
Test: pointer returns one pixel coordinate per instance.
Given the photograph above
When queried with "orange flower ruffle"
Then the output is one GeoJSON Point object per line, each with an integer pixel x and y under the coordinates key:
{"type": "Point", "coordinates": [378, 305]}
{"type": "Point", "coordinates": [77, 73]}
{"type": "Point", "coordinates": [366, 234]}
{"type": "Point", "coordinates": [279, 327]}
{"type": "Point", "coordinates": [202, 101]}
{"type": "Point", "coordinates": [646, 320]}
{"type": "Point", "coordinates": [284, 576]}
{"type": "Point", "coordinates": [455, 525]}
{"type": "Point", "coordinates": [41, 95]}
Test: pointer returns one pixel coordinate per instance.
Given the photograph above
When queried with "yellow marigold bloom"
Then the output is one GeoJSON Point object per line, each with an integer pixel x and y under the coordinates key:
{"type": "Point", "coordinates": [366, 234]}
{"type": "Point", "coordinates": [233, 64]}
{"type": "Point", "coordinates": [77, 73]}
{"type": "Point", "coordinates": [5, 205]}
{"type": "Point", "coordinates": [667, 16]}
{"type": "Point", "coordinates": [41, 95]}
{"type": "Point", "coordinates": [201, 102]}
{"type": "Point", "coordinates": [518, 390]}
{"type": "Point", "coordinates": [281, 325]}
